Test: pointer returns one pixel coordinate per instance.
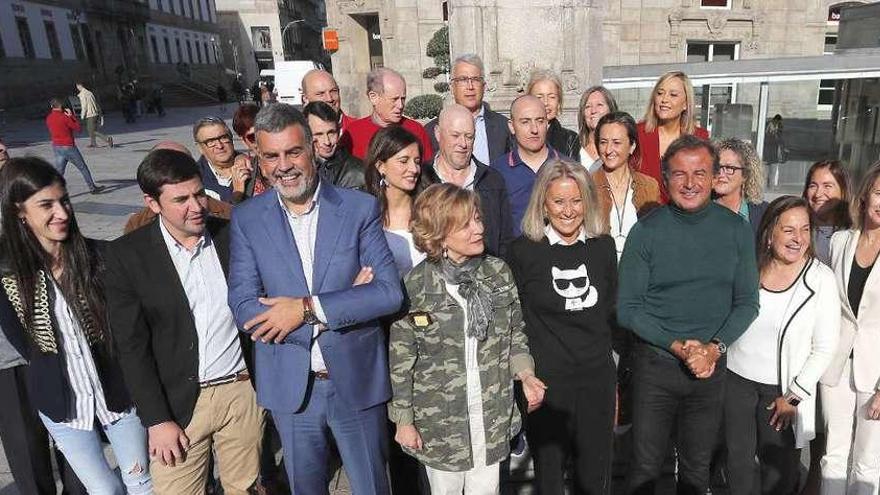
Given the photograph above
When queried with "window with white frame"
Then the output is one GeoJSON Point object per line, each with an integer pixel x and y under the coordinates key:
{"type": "Point", "coordinates": [712, 51]}
{"type": "Point", "coordinates": [830, 43]}
{"type": "Point", "coordinates": [825, 99]}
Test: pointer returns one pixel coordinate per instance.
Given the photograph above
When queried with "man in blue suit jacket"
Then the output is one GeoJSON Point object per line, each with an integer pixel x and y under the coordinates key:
{"type": "Point", "coordinates": [321, 360]}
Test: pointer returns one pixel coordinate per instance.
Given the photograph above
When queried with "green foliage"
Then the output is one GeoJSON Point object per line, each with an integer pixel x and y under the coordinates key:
{"type": "Point", "coordinates": [424, 107]}
{"type": "Point", "coordinates": [431, 72]}
{"type": "Point", "coordinates": [438, 49]}
{"type": "Point", "coordinates": [441, 87]}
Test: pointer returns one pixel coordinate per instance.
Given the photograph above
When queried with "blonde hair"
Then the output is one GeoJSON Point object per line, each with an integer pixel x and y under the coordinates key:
{"type": "Point", "coordinates": [546, 75]}
{"type": "Point", "coordinates": [535, 218]}
{"type": "Point", "coordinates": [687, 120]}
{"type": "Point", "coordinates": [438, 211]}
{"type": "Point", "coordinates": [753, 168]}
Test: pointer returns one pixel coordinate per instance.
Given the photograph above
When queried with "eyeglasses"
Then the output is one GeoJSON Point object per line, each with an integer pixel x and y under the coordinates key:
{"type": "Point", "coordinates": [729, 169]}
{"type": "Point", "coordinates": [216, 142]}
{"type": "Point", "coordinates": [467, 81]}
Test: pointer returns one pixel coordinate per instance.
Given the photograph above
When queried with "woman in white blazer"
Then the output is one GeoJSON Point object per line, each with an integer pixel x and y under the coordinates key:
{"type": "Point", "coordinates": [850, 388]}
{"type": "Point", "coordinates": [774, 367]}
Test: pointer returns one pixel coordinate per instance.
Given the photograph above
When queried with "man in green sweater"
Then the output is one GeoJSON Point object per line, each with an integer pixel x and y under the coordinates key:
{"type": "Point", "coordinates": [688, 288]}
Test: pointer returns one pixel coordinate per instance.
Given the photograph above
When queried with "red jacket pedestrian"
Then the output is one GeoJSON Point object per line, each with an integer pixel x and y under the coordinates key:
{"type": "Point", "coordinates": [62, 124]}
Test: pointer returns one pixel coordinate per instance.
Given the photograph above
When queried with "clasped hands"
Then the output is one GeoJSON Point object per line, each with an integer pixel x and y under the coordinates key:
{"type": "Point", "coordinates": [700, 358]}
{"type": "Point", "coordinates": [285, 314]}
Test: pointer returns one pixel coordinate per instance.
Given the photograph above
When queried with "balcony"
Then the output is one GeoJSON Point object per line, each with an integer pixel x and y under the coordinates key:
{"type": "Point", "coordinates": [128, 10]}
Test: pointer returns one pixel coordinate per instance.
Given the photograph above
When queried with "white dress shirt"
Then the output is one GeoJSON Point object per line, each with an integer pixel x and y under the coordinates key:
{"type": "Point", "coordinates": [481, 138]}
{"type": "Point", "coordinates": [553, 237]}
{"type": "Point", "coordinates": [304, 228]}
{"type": "Point", "coordinates": [621, 222]}
{"type": "Point", "coordinates": [204, 283]}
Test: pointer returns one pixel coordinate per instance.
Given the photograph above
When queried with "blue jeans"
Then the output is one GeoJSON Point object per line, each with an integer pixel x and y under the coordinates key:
{"type": "Point", "coordinates": [85, 454]}
{"type": "Point", "coordinates": [64, 154]}
{"type": "Point", "coordinates": [361, 436]}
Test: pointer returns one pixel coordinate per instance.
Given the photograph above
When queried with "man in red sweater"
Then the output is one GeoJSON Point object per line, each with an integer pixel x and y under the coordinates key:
{"type": "Point", "coordinates": [62, 123]}
{"type": "Point", "coordinates": [386, 90]}
{"type": "Point", "coordinates": [319, 85]}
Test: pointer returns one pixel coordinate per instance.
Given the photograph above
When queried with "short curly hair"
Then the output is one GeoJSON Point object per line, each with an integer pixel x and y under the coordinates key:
{"type": "Point", "coordinates": [438, 211]}
{"type": "Point", "coordinates": [753, 167]}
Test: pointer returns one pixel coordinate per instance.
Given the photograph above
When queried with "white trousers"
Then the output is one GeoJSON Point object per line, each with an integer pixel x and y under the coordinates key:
{"type": "Point", "coordinates": [851, 438]}
{"type": "Point", "coordinates": [481, 479]}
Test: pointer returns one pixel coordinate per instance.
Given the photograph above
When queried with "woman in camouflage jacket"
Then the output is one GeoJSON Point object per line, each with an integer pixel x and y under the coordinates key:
{"type": "Point", "coordinates": [455, 355]}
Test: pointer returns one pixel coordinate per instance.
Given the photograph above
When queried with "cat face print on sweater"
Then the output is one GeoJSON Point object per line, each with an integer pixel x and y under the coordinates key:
{"type": "Point", "coordinates": [574, 286]}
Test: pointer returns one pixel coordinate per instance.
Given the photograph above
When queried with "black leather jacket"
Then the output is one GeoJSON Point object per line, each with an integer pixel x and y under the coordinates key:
{"type": "Point", "coordinates": [563, 140]}
{"type": "Point", "coordinates": [343, 170]}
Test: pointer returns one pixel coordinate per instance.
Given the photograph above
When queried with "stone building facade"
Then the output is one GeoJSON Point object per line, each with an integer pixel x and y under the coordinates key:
{"type": "Point", "coordinates": [46, 45]}
{"type": "Point", "coordinates": [578, 37]}
{"type": "Point", "coordinates": [514, 38]}
{"type": "Point", "coordinates": [858, 129]}
{"type": "Point", "coordinates": [374, 33]}
{"type": "Point", "coordinates": [258, 33]}
{"type": "Point", "coordinates": [637, 32]}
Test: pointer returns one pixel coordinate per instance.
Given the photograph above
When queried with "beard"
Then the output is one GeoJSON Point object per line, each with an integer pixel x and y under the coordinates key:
{"type": "Point", "coordinates": [301, 192]}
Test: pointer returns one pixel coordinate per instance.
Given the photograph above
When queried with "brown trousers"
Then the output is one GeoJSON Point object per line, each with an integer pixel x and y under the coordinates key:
{"type": "Point", "coordinates": [227, 419]}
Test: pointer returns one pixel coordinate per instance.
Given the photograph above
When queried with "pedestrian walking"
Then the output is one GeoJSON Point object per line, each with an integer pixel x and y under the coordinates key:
{"type": "Point", "coordinates": [62, 123]}
{"type": "Point", "coordinates": [222, 96]}
{"type": "Point", "coordinates": [91, 114]}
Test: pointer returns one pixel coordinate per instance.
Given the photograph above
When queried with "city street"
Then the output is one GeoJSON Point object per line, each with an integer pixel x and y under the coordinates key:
{"type": "Point", "coordinates": [103, 216]}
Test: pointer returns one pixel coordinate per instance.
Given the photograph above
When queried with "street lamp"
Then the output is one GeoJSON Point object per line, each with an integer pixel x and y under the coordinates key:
{"type": "Point", "coordinates": [284, 34]}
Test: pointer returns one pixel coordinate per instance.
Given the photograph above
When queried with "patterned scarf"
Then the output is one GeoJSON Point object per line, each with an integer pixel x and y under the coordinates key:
{"type": "Point", "coordinates": [476, 293]}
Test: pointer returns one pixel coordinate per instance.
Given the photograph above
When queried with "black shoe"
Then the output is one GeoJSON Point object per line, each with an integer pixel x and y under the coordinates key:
{"type": "Point", "coordinates": [97, 190]}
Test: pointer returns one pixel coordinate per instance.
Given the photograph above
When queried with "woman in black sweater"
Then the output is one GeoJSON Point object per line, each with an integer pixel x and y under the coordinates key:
{"type": "Point", "coordinates": [565, 268]}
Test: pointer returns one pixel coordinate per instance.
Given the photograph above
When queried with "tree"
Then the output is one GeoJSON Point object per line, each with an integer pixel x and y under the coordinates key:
{"type": "Point", "coordinates": [429, 106]}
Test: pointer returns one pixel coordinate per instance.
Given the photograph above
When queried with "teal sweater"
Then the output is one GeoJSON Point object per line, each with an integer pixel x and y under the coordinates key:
{"type": "Point", "coordinates": [688, 275]}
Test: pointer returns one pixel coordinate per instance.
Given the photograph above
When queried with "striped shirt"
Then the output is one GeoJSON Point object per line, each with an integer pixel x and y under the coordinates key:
{"type": "Point", "coordinates": [88, 395]}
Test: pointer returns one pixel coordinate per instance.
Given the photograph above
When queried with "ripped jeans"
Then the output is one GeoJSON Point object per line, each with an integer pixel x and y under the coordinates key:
{"type": "Point", "coordinates": [85, 454]}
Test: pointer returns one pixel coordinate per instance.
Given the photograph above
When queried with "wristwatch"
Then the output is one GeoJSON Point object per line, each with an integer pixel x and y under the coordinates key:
{"type": "Point", "coordinates": [792, 399]}
{"type": "Point", "coordinates": [722, 347]}
{"type": "Point", "coordinates": [309, 316]}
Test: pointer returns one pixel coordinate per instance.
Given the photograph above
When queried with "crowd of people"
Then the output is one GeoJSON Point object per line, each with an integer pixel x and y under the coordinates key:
{"type": "Point", "coordinates": [420, 303]}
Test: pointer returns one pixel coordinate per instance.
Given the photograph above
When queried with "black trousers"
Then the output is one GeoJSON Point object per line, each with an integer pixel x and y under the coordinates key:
{"type": "Point", "coordinates": [26, 441]}
{"type": "Point", "coordinates": [749, 434]}
{"type": "Point", "coordinates": [666, 398]}
{"type": "Point", "coordinates": [576, 424]}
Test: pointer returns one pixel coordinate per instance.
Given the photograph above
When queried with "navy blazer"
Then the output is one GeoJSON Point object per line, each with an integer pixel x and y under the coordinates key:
{"type": "Point", "coordinates": [264, 262]}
